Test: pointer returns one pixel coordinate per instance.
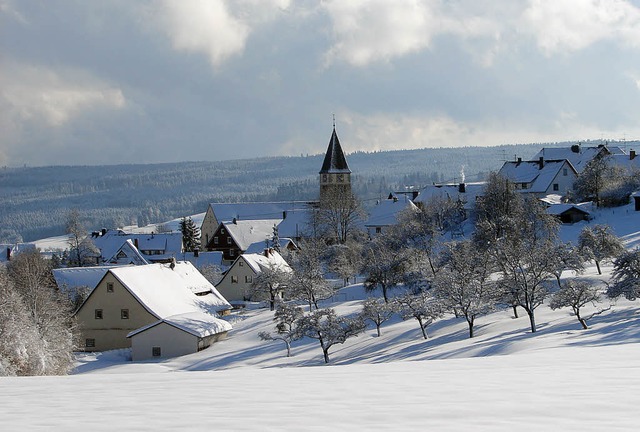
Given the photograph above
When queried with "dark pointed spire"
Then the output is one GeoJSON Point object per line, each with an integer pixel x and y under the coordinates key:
{"type": "Point", "coordinates": [334, 160]}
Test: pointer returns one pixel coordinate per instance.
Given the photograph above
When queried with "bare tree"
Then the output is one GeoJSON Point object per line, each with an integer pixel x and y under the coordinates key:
{"type": "Point", "coordinates": [576, 294]}
{"type": "Point", "coordinates": [567, 257]}
{"type": "Point", "coordinates": [80, 245]}
{"type": "Point", "coordinates": [328, 328]}
{"type": "Point", "coordinates": [286, 316]}
{"type": "Point", "coordinates": [626, 276]}
{"type": "Point", "coordinates": [306, 281]}
{"type": "Point", "coordinates": [269, 284]}
{"type": "Point", "coordinates": [377, 312]}
{"type": "Point", "coordinates": [599, 243]}
{"type": "Point", "coordinates": [423, 307]}
{"type": "Point", "coordinates": [48, 310]}
{"type": "Point", "coordinates": [346, 259]}
{"type": "Point", "coordinates": [339, 214]}
{"type": "Point", "coordinates": [383, 266]}
{"type": "Point", "coordinates": [464, 284]}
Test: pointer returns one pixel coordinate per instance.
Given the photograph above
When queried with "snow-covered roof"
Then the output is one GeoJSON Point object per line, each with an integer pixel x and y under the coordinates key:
{"type": "Point", "coordinates": [386, 212]}
{"type": "Point", "coordinates": [295, 223]}
{"type": "Point", "coordinates": [259, 247]}
{"type": "Point", "coordinates": [247, 232]}
{"type": "Point", "coordinates": [74, 277]}
{"type": "Point", "coordinates": [204, 258]}
{"type": "Point", "coordinates": [227, 212]}
{"type": "Point", "coordinates": [577, 154]}
{"type": "Point", "coordinates": [169, 244]}
{"type": "Point", "coordinates": [454, 191]}
{"type": "Point", "coordinates": [558, 209]}
{"type": "Point", "coordinates": [537, 175]}
{"type": "Point", "coordinates": [258, 261]}
{"type": "Point", "coordinates": [128, 254]}
{"type": "Point", "coordinates": [196, 323]}
{"type": "Point", "coordinates": [165, 292]}
{"type": "Point", "coordinates": [14, 249]}
{"type": "Point", "coordinates": [629, 162]}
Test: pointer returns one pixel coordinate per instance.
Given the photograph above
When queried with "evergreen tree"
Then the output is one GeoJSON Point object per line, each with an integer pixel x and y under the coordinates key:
{"type": "Point", "coordinates": [190, 235]}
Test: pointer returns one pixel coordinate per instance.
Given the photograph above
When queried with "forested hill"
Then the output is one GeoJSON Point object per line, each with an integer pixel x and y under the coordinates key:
{"type": "Point", "coordinates": [35, 201]}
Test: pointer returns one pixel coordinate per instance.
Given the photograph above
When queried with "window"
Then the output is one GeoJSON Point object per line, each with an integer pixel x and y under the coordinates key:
{"type": "Point", "coordinates": [340, 178]}
{"type": "Point", "coordinates": [248, 279]}
{"type": "Point", "coordinates": [124, 313]}
{"type": "Point", "coordinates": [232, 252]}
{"type": "Point", "coordinates": [240, 263]}
{"type": "Point", "coordinates": [565, 171]}
{"type": "Point", "coordinates": [221, 230]}
{"type": "Point", "coordinates": [378, 230]}
{"type": "Point", "coordinates": [109, 287]}
{"type": "Point", "coordinates": [556, 187]}
{"type": "Point", "coordinates": [228, 240]}
{"type": "Point", "coordinates": [215, 240]}
{"type": "Point", "coordinates": [98, 313]}
{"type": "Point", "coordinates": [523, 185]}
{"type": "Point", "coordinates": [156, 351]}
{"type": "Point", "coordinates": [90, 343]}
{"type": "Point", "coordinates": [234, 279]}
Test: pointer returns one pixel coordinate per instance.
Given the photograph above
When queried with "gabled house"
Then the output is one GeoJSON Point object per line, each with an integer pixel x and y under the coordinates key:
{"type": "Point", "coordinates": [155, 248]}
{"type": "Point", "coordinates": [129, 298]}
{"type": "Point", "coordinates": [569, 213]}
{"type": "Point", "coordinates": [128, 254]}
{"type": "Point", "coordinates": [234, 238]}
{"type": "Point", "coordinates": [577, 154]}
{"type": "Point", "coordinates": [540, 177]}
{"type": "Point", "coordinates": [235, 286]}
{"type": "Point", "coordinates": [465, 193]}
{"type": "Point", "coordinates": [385, 214]}
{"type": "Point", "coordinates": [12, 249]}
{"type": "Point", "coordinates": [295, 213]}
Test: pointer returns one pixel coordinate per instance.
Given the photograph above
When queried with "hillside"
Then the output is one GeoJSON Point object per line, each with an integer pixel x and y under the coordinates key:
{"type": "Point", "coordinates": [505, 378]}
{"type": "Point", "coordinates": [35, 201]}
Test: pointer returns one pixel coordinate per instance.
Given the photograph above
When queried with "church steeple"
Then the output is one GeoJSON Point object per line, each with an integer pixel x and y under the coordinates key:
{"type": "Point", "coordinates": [335, 175]}
{"type": "Point", "coordinates": [334, 160]}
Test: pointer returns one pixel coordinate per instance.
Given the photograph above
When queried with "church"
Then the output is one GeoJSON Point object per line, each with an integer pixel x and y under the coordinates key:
{"type": "Point", "coordinates": [235, 227]}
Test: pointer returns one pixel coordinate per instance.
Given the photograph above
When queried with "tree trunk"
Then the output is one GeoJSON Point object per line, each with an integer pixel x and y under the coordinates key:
{"type": "Point", "coordinates": [515, 311]}
{"type": "Point", "coordinates": [470, 322]}
{"type": "Point", "coordinates": [325, 351]}
{"type": "Point", "coordinates": [272, 300]}
{"type": "Point", "coordinates": [384, 293]}
{"type": "Point", "coordinates": [532, 321]}
{"type": "Point", "coordinates": [582, 321]}
{"type": "Point", "coordinates": [598, 267]}
{"type": "Point", "coordinates": [378, 328]}
{"type": "Point", "coordinates": [288, 348]}
{"type": "Point", "coordinates": [424, 332]}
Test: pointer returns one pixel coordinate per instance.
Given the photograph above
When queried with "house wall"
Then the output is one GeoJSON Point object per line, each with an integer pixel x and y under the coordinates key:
{"type": "Point", "coordinates": [564, 182]}
{"type": "Point", "coordinates": [208, 227]}
{"type": "Point", "coordinates": [172, 341]}
{"type": "Point", "coordinates": [110, 332]}
{"type": "Point", "coordinates": [237, 291]}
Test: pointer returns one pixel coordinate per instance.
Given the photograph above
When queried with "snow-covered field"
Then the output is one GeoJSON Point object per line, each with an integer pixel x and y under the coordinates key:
{"type": "Point", "coordinates": [505, 378]}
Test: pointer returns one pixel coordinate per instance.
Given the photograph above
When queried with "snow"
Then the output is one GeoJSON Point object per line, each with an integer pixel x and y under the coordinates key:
{"type": "Point", "coordinates": [260, 261]}
{"type": "Point", "coordinates": [75, 277]}
{"type": "Point", "coordinates": [166, 292]}
{"type": "Point", "coordinates": [197, 323]}
{"type": "Point", "coordinates": [504, 379]}
{"type": "Point", "coordinates": [386, 212]}
{"type": "Point", "coordinates": [247, 232]}
{"type": "Point", "coordinates": [530, 172]}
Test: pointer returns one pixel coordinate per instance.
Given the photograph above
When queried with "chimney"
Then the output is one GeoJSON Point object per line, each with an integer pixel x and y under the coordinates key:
{"type": "Point", "coordinates": [135, 242]}
{"type": "Point", "coordinates": [541, 162]}
{"type": "Point", "coordinates": [235, 221]}
{"type": "Point", "coordinates": [518, 161]}
{"type": "Point", "coordinates": [395, 199]}
{"type": "Point", "coordinates": [632, 154]}
{"type": "Point", "coordinates": [284, 214]}
{"type": "Point", "coordinates": [196, 253]}
{"type": "Point", "coordinates": [104, 231]}
{"type": "Point", "coordinates": [8, 254]}
{"type": "Point", "coordinates": [266, 252]}
{"type": "Point", "coordinates": [575, 148]}
{"type": "Point", "coordinates": [462, 188]}
{"type": "Point", "coordinates": [390, 196]}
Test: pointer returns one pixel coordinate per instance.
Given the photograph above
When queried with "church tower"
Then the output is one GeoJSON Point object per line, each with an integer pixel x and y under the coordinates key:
{"type": "Point", "coordinates": [335, 175]}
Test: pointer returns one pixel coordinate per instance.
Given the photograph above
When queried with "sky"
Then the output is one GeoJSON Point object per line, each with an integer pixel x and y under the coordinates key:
{"type": "Point", "coordinates": [149, 81]}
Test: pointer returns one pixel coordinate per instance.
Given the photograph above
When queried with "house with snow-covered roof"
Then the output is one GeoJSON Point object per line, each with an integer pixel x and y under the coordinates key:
{"type": "Point", "coordinates": [465, 193]}
{"type": "Point", "coordinates": [161, 247]}
{"type": "Point", "coordinates": [540, 177]}
{"type": "Point", "coordinates": [235, 286]}
{"type": "Point", "coordinates": [579, 155]}
{"type": "Point", "coordinates": [235, 237]}
{"type": "Point", "coordinates": [385, 214]}
{"type": "Point", "coordinates": [129, 298]}
{"type": "Point", "coordinates": [295, 213]}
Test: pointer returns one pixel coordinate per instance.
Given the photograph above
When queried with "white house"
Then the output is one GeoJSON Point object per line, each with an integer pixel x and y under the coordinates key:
{"type": "Point", "coordinates": [235, 286]}
{"type": "Point", "coordinates": [385, 214]}
{"type": "Point", "coordinates": [540, 177]}
{"type": "Point", "coordinates": [162, 247]}
{"type": "Point", "coordinates": [130, 298]}
{"type": "Point", "coordinates": [466, 193]}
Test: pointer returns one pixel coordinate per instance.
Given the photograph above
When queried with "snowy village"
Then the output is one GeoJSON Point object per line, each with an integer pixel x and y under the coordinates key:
{"type": "Point", "coordinates": [278, 215]}
{"type": "Point", "coordinates": [447, 271]}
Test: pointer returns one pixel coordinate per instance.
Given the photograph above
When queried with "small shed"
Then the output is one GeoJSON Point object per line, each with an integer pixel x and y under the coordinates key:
{"type": "Point", "coordinates": [177, 335]}
{"type": "Point", "coordinates": [568, 213]}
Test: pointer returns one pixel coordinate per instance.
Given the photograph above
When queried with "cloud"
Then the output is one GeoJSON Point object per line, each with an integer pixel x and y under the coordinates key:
{"type": "Point", "coordinates": [573, 25]}
{"type": "Point", "coordinates": [32, 93]}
